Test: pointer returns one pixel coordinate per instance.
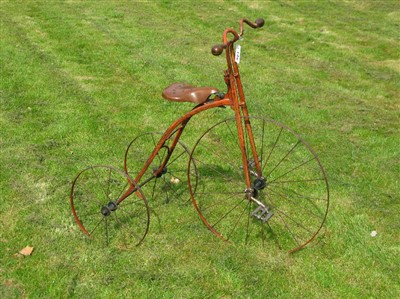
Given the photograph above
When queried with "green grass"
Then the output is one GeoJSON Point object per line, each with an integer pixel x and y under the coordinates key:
{"type": "Point", "coordinates": [79, 80]}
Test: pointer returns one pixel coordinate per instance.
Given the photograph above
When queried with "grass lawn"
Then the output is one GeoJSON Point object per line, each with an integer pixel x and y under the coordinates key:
{"type": "Point", "coordinates": [80, 79]}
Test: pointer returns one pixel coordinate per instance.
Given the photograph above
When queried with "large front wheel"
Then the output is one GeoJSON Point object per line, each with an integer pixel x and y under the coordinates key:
{"type": "Point", "coordinates": [286, 205]}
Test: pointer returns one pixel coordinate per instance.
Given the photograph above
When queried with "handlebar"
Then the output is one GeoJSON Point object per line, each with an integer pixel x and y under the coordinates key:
{"type": "Point", "coordinates": [218, 49]}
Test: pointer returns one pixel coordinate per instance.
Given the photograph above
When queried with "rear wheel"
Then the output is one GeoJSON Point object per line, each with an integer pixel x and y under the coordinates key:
{"type": "Point", "coordinates": [94, 196]}
{"type": "Point", "coordinates": [172, 182]}
{"type": "Point", "coordinates": [287, 205]}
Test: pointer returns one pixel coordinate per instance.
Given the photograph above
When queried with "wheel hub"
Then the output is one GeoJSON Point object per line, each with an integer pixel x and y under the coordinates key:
{"type": "Point", "coordinates": [259, 184]}
{"type": "Point", "coordinates": [161, 173]}
{"type": "Point", "coordinates": [107, 209]}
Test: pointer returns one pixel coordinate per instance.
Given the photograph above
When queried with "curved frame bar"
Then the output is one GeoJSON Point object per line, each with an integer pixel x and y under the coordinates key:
{"type": "Point", "coordinates": [182, 121]}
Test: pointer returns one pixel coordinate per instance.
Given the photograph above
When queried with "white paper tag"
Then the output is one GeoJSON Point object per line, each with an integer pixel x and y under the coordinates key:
{"type": "Point", "coordinates": [237, 54]}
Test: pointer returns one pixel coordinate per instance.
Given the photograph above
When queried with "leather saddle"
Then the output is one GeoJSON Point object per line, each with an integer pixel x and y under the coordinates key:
{"type": "Point", "coordinates": [182, 92]}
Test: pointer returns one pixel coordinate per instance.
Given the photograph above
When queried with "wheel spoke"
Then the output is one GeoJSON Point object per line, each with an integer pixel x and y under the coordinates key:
{"type": "Point", "coordinates": [296, 204]}
{"type": "Point", "coordinates": [310, 199]}
{"type": "Point", "coordinates": [170, 162]}
{"type": "Point", "coordinates": [97, 225]}
{"type": "Point", "coordinates": [234, 136]}
{"type": "Point", "coordinates": [107, 235]}
{"type": "Point", "coordinates": [123, 190]}
{"type": "Point", "coordinates": [166, 191]}
{"type": "Point", "coordinates": [273, 148]}
{"type": "Point", "coordinates": [90, 214]}
{"type": "Point", "coordinates": [227, 213]}
{"type": "Point", "coordinates": [117, 220]}
{"type": "Point", "coordinates": [108, 180]}
{"type": "Point", "coordinates": [248, 222]}
{"type": "Point", "coordinates": [221, 159]}
{"type": "Point", "coordinates": [280, 211]}
{"type": "Point", "coordinates": [99, 183]}
{"type": "Point", "coordinates": [154, 145]}
{"type": "Point", "coordinates": [262, 144]}
{"type": "Point", "coordinates": [217, 203]}
{"type": "Point", "coordinates": [293, 169]}
{"type": "Point", "coordinates": [126, 228]}
{"type": "Point", "coordinates": [88, 191]}
{"type": "Point", "coordinates": [288, 153]}
{"type": "Point", "coordinates": [297, 181]}
{"type": "Point", "coordinates": [154, 188]}
{"type": "Point", "coordinates": [223, 193]}
{"type": "Point", "coordinates": [237, 221]}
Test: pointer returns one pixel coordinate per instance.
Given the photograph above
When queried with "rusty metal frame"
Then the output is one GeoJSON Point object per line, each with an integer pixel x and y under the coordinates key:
{"type": "Point", "coordinates": [233, 98]}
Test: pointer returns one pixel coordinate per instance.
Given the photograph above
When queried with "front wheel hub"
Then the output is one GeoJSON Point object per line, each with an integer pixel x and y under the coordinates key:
{"type": "Point", "coordinates": [259, 184]}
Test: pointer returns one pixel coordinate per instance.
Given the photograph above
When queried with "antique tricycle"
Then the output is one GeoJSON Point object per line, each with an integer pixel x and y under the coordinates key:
{"type": "Point", "coordinates": [250, 179]}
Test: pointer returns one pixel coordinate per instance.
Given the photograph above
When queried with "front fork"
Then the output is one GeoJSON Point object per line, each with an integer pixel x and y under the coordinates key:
{"type": "Point", "coordinates": [251, 168]}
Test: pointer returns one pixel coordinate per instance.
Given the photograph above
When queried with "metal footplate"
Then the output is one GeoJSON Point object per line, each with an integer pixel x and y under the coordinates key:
{"type": "Point", "coordinates": [261, 212]}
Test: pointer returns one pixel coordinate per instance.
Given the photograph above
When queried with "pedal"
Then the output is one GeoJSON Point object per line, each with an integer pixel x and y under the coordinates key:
{"type": "Point", "coordinates": [262, 213]}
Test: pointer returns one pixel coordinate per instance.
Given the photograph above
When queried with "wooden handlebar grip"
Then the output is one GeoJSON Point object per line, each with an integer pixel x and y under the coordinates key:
{"type": "Point", "coordinates": [260, 22]}
{"type": "Point", "coordinates": [217, 50]}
